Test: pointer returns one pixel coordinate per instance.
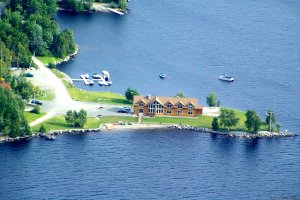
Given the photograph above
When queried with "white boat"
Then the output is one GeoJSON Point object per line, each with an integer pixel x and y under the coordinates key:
{"type": "Point", "coordinates": [91, 82]}
{"type": "Point", "coordinates": [87, 76]}
{"type": "Point", "coordinates": [109, 82]}
{"type": "Point", "coordinates": [82, 76]}
{"type": "Point", "coordinates": [96, 76]}
{"type": "Point", "coordinates": [162, 75]}
{"type": "Point", "coordinates": [223, 77]}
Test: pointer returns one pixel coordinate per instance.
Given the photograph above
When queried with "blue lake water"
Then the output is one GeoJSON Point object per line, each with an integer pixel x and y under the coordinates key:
{"type": "Point", "coordinates": [150, 165]}
{"type": "Point", "coordinates": [194, 42]}
{"type": "Point", "coordinates": [258, 42]}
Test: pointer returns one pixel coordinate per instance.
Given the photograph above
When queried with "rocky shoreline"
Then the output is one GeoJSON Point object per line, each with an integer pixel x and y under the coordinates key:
{"type": "Point", "coordinates": [46, 135]}
{"type": "Point", "coordinates": [235, 134]}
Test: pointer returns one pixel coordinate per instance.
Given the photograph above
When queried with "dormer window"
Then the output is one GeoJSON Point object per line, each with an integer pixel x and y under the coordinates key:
{"type": "Point", "coordinates": [190, 106]}
{"type": "Point", "coordinates": [169, 105]}
{"type": "Point", "coordinates": [179, 105]}
{"type": "Point", "coordinates": [141, 104]}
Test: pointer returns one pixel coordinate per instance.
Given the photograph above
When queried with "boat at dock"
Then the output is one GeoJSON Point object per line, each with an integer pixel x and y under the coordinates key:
{"type": "Point", "coordinates": [224, 77]}
{"type": "Point", "coordinates": [91, 82]}
{"type": "Point", "coordinates": [96, 76]}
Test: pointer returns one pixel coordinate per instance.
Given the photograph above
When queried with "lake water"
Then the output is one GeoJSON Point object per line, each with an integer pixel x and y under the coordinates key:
{"type": "Point", "coordinates": [257, 42]}
{"type": "Point", "coordinates": [150, 165]}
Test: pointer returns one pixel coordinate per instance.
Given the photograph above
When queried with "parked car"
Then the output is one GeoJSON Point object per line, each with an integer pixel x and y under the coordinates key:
{"type": "Point", "coordinates": [123, 111]}
{"type": "Point", "coordinates": [29, 75]}
{"type": "Point", "coordinates": [125, 108]}
{"type": "Point", "coordinates": [37, 102]}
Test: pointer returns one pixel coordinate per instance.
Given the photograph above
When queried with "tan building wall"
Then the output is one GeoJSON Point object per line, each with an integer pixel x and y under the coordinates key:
{"type": "Point", "coordinates": [174, 111]}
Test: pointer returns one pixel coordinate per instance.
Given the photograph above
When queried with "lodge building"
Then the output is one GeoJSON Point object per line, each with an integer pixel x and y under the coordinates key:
{"type": "Point", "coordinates": [166, 106]}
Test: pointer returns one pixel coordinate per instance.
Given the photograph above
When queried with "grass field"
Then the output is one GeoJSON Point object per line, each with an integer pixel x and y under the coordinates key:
{"type": "Point", "coordinates": [30, 117]}
{"type": "Point", "coordinates": [101, 97]}
{"type": "Point", "coordinates": [59, 123]}
{"type": "Point", "coordinates": [46, 95]}
{"type": "Point", "coordinates": [47, 60]}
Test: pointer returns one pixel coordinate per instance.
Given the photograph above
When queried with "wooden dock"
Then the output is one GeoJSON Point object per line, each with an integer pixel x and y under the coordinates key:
{"type": "Point", "coordinates": [115, 11]}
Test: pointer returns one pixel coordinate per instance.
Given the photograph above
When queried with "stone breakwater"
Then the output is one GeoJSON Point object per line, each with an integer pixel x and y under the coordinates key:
{"type": "Point", "coordinates": [45, 135]}
{"type": "Point", "coordinates": [69, 57]}
{"type": "Point", "coordinates": [235, 134]}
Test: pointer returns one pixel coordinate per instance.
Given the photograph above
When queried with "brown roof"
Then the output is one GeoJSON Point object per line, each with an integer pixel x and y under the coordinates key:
{"type": "Point", "coordinates": [5, 85]}
{"type": "Point", "coordinates": [165, 100]}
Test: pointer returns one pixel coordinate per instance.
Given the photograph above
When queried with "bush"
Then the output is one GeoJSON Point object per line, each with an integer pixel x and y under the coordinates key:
{"type": "Point", "coordinates": [43, 129]}
{"type": "Point", "coordinates": [52, 66]}
{"type": "Point", "coordinates": [130, 93]}
{"type": "Point", "coordinates": [36, 109]}
{"type": "Point", "coordinates": [215, 124]}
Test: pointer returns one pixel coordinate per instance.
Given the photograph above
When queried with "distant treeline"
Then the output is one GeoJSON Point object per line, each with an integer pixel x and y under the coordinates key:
{"type": "Point", "coordinates": [27, 27]}
{"type": "Point", "coordinates": [82, 5]}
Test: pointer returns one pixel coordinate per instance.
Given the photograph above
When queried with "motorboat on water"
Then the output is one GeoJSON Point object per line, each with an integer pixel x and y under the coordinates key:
{"type": "Point", "coordinates": [91, 82]}
{"type": "Point", "coordinates": [103, 82]}
{"type": "Point", "coordinates": [86, 76]}
{"type": "Point", "coordinates": [103, 78]}
{"type": "Point", "coordinates": [224, 77]}
{"type": "Point", "coordinates": [162, 76]}
{"type": "Point", "coordinates": [96, 76]}
{"type": "Point", "coordinates": [82, 76]}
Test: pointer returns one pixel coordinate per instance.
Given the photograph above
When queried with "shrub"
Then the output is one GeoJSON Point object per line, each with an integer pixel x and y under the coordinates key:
{"type": "Point", "coordinates": [36, 109]}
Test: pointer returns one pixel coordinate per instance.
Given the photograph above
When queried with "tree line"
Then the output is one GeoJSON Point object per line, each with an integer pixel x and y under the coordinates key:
{"type": "Point", "coordinates": [28, 27]}
{"type": "Point", "coordinates": [86, 5]}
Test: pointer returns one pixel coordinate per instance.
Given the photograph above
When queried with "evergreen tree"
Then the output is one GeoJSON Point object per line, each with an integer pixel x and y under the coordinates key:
{"type": "Point", "coordinates": [215, 124]}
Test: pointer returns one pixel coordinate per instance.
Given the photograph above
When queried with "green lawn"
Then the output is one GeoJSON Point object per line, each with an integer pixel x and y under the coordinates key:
{"type": "Point", "coordinates": [46, 95]}
{"type": "Point", "coordinates": [101, 97]}
{"type": "Point", "coordinates": [59, 123]}
{"type": "Point", "coordinates": [202, 121]}
{"type": "Point", "coordinates": [30, 117]}
{"type": "Point", "coordinates": [58, 73]}
{"type": "Point", "coordinates": [46, 60]}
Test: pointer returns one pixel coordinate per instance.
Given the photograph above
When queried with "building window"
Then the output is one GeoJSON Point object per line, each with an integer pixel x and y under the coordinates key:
{"type": "Point", "coordinates": [169, 105]}
{"type": "Point", "coordinates": [141, 110]}
{"type": "Point", "coordinates": [151, 108]}
{"type": "Point", "coordinates": [159, 108]}
{"type": "Point", "coordinates": [179, 105]}
{"type": "Point", "coordinates": [190, 109]}
{"type": "Point", "coordinates": [179, 112]}
{"type": "Point", "coordinates": [169, 111]}
{"type": "Point", "coordinates": [141, 104]}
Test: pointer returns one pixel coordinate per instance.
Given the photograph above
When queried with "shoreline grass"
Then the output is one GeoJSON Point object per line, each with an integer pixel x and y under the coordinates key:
{"type": "Point", "coordinates": [59, 123]}
{"type": "Point", "coordinates": [49, 59]}
{"type": "Point", "coordinates": [30, 117]}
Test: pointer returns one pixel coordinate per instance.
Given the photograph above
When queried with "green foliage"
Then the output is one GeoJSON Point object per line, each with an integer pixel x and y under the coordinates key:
{"type": "Point", "coordinates": [228, 118]}
{"type": "Point", "coordinates": [130, 93]}
{"type": "Point", "coordinates": [277, 127]}
{"type": "Point", "coordinates": [253, 121]}
{"type": "Point", "coordinates": [76, 5]}
{"type": "Point", "coordinates": [36, 109]}
{"type": "Point", "coordinates": [21, 86]}
{"type": "Point", "coordinates": [12, 120]}
{"type": "Point", "coordinates": [28, 27]}
{"type": "Point", "coordinates": [52, 66]}
{"type": "Point", "coordinates": [122, 4]}
{"type": "Point", "coordinates": [180, 94]}
{"type": "Point", "coordinates": [212, 101]}
{"type": "Point", "coordinates": [43, 129]}
{"type": "Point", "coordinates": [76, 119]}
{"type": "Point", "coordinates": [215, 124]}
